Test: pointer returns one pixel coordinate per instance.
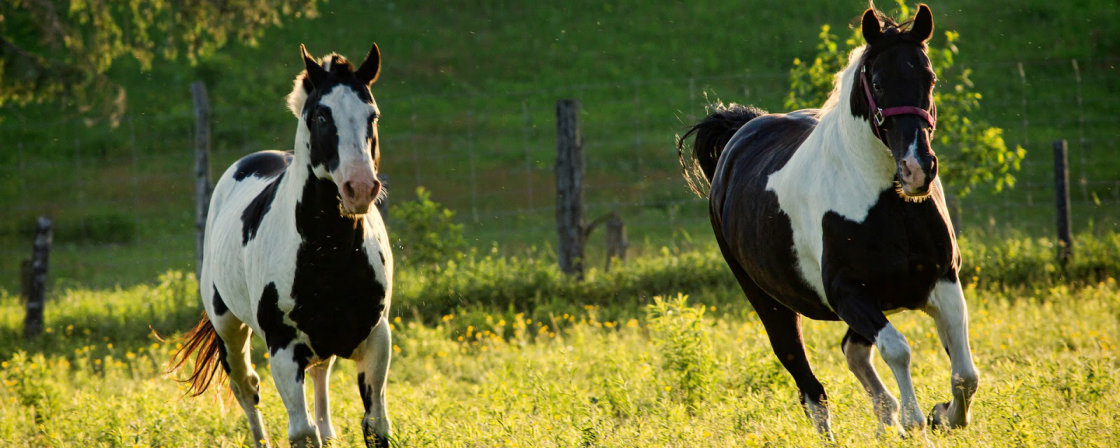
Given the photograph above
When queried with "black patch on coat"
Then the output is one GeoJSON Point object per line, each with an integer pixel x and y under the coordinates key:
{"type": "Point", "coordinates": [220, 307]}
{"type": "Point", "coordinates": [324, 138]}
{"type": "Point", "coordinates": [277, 334]}
{"type": "Point", "coordinates": [747, 218]}
{"type": "Point", "coordinates": [262, 164]}
{"type": "Point", "coordinates": [223, 354]}
{"type": "Point", "coordinates": [365, 391]}
{"type": "Point", "coordinates": [891, 260]}
{"type": "Point", "coordinates": [338, 298]}
{"type": "Point", "coordinates": [253, 214]}
{"type": "Point", "coordinates": [302, 355]}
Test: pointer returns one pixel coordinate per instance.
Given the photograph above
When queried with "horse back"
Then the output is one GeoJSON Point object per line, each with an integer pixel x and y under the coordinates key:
{"type": "Point", "coordinates": [747, 218]}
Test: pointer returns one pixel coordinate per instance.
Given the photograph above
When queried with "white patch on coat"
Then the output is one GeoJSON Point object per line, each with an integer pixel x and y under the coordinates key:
{"type": "Point", "coordinates": [950, 312]}
{"type": "Point", "coordinates": [841, 167]}
{"type": "Point", "coordinates": [895, 351]}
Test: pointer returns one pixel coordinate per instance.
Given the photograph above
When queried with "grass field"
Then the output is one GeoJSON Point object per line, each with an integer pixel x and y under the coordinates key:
{"type": "Point", "coordinates": [500, 352]}
{"type": "Point", "coordinates": [1048, 363]}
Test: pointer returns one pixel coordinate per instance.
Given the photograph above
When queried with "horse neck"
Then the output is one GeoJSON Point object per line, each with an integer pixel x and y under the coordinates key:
{"type": "Point", "coordinates": [845, 140]}
{"type": "Point", "coordinates": [315, 205]}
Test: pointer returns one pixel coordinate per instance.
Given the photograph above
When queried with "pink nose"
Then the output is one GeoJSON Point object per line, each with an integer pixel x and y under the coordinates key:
{"type": "Point", "coordinates": [911, 172]}
{"type": "Point", "coordinates": [358, 193]}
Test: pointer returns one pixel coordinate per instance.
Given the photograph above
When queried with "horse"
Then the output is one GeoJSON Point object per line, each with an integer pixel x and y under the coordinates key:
{"type": "Point", "coordinates": [838, 214]}
{"type": "Point", "coordinates": [294, 253]}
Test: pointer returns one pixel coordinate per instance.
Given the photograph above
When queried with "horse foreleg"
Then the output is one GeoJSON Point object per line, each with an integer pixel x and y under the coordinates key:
{"type": "Point", "coordinates": [857, 351]}
{"type": "Point", "coordinates": [947, 307]}
{"type": "Point", "coordinates": [320, 379]}
{"type": "Point", "coordinates": [373, 372]}
{"type": "Point", "coordinates": [895, 351]}
{"type": "Point", "coordinates": [287, 373]}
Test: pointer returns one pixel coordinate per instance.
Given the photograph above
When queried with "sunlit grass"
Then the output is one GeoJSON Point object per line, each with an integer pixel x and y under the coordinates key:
{"type": "Point", "coordinates": [1047, 359]}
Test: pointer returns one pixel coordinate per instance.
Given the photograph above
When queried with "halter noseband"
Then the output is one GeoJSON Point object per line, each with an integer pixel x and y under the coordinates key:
{"type": "Point", "coordinates": [878, 114]}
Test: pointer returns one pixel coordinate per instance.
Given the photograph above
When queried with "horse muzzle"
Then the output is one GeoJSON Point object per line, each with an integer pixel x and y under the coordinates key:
{"type": "Point", "coordinates": [917, 164]}
{"type": "Point", "coordinates": [358, 191]}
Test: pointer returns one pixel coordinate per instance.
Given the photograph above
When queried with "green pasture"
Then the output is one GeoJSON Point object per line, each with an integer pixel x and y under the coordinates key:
{"type": "Point", "coordinates": [506, 352]}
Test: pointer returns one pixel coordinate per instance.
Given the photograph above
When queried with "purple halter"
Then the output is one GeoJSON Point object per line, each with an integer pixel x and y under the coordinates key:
{"type": "Point", "coordinates": [879, 114]}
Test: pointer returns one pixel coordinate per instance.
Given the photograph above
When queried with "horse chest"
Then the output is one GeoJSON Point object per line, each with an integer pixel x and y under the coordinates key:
{"type": "Point", "coordinates": [338, 295]}
{"type": "Point", "coordinates": [895, 254]}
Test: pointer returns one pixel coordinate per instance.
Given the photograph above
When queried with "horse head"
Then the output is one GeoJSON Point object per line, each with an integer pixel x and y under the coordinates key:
{"type": "Point", "coordinates": [337, 135]}
{"type": "Point", "coordinates": [894, 91]}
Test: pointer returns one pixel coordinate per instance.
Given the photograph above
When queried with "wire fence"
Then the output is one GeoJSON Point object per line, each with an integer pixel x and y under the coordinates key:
{"type": "Point", "coordinates": [121, 197]}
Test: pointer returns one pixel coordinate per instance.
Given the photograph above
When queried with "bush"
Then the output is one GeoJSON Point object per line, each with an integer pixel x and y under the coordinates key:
{"type": "Point", "coordinates": [425, 231]}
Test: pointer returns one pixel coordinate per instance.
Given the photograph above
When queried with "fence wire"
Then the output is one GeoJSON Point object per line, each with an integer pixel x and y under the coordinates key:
{"type": "Point", "coordinates": [121, 197]}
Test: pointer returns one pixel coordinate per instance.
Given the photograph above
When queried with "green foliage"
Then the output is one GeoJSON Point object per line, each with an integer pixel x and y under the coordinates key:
{"type": "Point", "coordinates": [681, 336]}
{"type": "Point", "coordinates": [975, 153]}
{"type": "Point", "coordinates": [51, 48]}
{"type": "Point", "coordinates": [426, 232]}
{"type": "Point", "coordinates": [1021, 261]}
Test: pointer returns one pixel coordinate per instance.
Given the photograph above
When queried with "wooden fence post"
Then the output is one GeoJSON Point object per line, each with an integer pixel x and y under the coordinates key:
{"type": "Point", "coordinates": [36, 293]}
{"type": "Point", "coordinates": [201, 166]}
{"type": "Point", "coordinates": [1061, 190]}
{"type": "Point", "coordinates": [569, 186]}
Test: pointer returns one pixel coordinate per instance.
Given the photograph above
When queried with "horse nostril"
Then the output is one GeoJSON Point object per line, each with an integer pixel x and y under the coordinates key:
{"type": "Point", "coordinates": [349, 188]}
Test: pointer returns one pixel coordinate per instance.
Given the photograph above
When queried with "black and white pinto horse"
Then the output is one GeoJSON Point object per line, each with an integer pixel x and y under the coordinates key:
{"type": "Point", "coordinates": [838, 214]}
{"type": "Point", "coordinates": [295, 253]}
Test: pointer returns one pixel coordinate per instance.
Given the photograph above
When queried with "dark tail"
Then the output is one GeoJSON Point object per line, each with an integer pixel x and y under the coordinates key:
{"type": "Point", "coordinates": [203, 339]}
{"type": "Point", "coordinates": [712, 134]}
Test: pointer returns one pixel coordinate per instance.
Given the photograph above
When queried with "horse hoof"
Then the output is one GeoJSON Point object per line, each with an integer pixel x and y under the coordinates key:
{"type": "Point", "coordinates": [939, 416]}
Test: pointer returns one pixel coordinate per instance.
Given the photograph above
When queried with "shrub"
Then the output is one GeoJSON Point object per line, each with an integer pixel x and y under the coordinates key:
{"type": "Point", "coordinates": [425, 231]}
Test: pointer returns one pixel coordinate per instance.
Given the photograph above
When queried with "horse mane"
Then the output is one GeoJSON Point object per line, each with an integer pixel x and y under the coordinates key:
{"type": "Point", "coordinates": [334, 63]}
{"type": "Point", "coordinates": [844, 81]}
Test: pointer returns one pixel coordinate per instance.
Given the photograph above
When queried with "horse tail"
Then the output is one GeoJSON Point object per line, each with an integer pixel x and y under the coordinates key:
{"type": "Point", "coordinates": [712, 134]}
{"type": "Point", "coordinates": [204, 340]}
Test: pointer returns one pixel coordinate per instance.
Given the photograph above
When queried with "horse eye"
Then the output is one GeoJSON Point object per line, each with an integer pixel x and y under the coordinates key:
{"type": "Point", "coordinates": [321, 119]}
{"type": "Point", "coordinates": [875, 85]}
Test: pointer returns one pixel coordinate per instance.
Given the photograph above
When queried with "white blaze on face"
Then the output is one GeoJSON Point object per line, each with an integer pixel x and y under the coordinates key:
{"type": "Point", "coordinates": [356, 175]}
{"type": "Point", "coordinates": [910, 169]}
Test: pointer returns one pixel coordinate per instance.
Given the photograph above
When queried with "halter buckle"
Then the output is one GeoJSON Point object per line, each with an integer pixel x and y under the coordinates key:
{"type": "Point", "coordinates": [879, 116]}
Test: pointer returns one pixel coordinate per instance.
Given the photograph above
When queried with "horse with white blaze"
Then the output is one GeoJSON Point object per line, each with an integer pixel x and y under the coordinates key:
{"type": "Point", "coordinates": [838, 214]}
{"type": "Point", "coordinates": [295, 253]}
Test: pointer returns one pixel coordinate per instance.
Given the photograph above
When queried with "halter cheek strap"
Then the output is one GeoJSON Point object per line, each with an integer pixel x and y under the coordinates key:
{"type": "Point", "coordinates": [878, 114]}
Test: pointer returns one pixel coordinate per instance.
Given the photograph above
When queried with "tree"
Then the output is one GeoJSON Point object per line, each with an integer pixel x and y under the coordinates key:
{"type": "Point", "coordinates": [59, 50]}
{"type": "Point", "coordinates": [976, 151]}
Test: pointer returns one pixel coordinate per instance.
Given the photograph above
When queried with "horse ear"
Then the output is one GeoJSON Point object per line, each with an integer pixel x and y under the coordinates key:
{"type": "Point", "coordinates": [315, 72]}
{"type": "Point", "coordinates": [871, 28]}
{"type": "Point", "coordinates": [371, 66]}
{"type": "Point", "coordinates": [923, 24]}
